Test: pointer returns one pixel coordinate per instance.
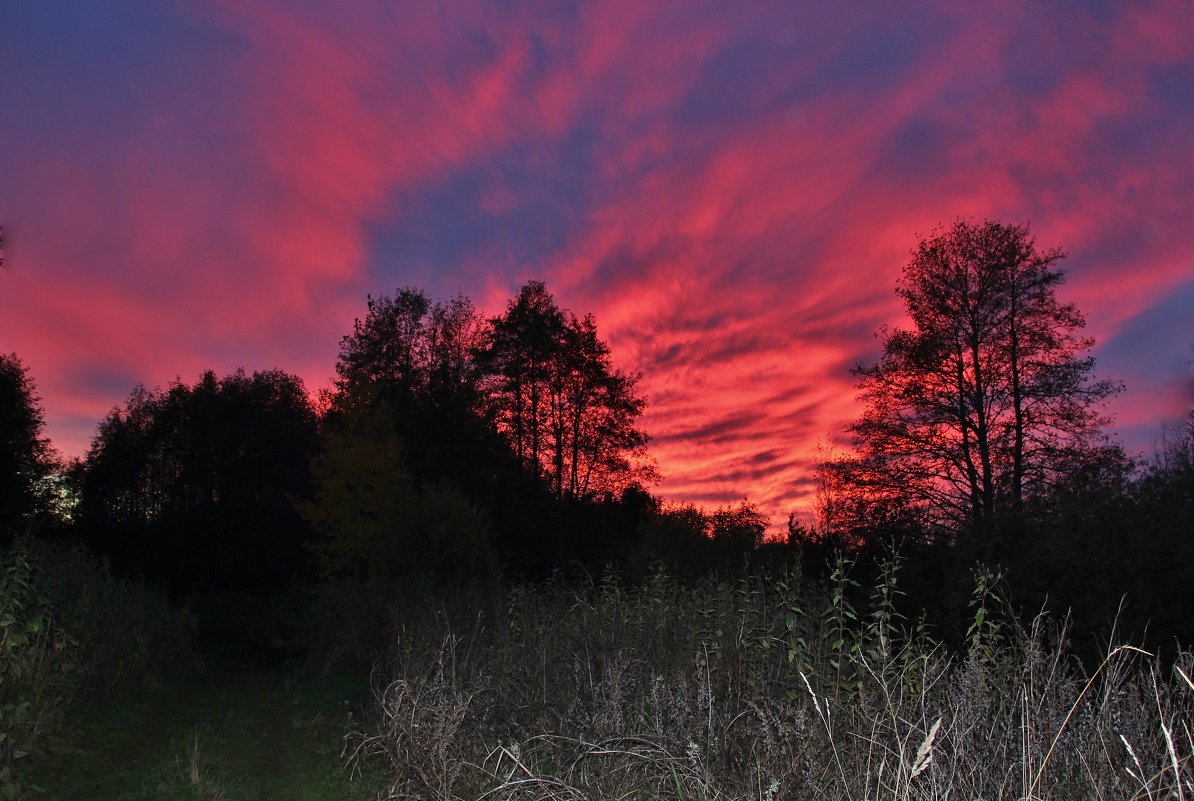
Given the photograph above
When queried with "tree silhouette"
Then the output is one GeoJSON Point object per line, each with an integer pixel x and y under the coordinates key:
{"type": "Point", "coordinates": [503, 425]}
{"type": "Point", "coordinates": [742, 527]}
{"type": "Point", "coordinates": [416, 357]}
{"type": "Point", "coordinates": [388, 349]}
{"type": "Point", "coordinates": [988, 398]}
{"type": "Point", "coordinates": [568, 414]}
{"type": "Point", "coordinates": [193, 485]}
{"type": "Point", "coordinates": [455, 332]}
{"type": "Point", "coordinates": [25, 457]}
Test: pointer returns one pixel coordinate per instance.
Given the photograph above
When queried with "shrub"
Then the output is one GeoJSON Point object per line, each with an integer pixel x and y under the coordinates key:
{"type": "Point", "coordinates": [345, 623]}
{"type": "Point", "coordinates": [127, 635]}
{"type": "Point", "coordinates": [38, 665]}
{"type": "Point", "coordinates": [66, 624]}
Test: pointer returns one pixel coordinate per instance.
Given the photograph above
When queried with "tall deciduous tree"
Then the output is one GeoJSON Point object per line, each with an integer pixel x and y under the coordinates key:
{"type": "Point", "coordinates": [413, 351]}
{"type": "Point", "coordinates": [373, 518]}
{"type": "Point", "coordinates": [568, 414]}
{"type": "Point", "coordinates": [25, 458]}
{"type": "Point", "coordinates": [388, 349]}
{"type": "Point", "coordinates": [988, 398]}
{"type": "Point", "coordinates": [454, 332]}
{"type": "Point", "coordinates": [417, 358]}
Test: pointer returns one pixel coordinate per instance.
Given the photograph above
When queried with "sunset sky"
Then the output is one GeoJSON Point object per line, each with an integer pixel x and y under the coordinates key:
{"type": "Point", "coordinates": [731, 188]}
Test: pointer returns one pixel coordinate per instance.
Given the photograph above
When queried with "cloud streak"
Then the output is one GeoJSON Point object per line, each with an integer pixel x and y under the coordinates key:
{"type": "Point", "coordinates": [732, 193]}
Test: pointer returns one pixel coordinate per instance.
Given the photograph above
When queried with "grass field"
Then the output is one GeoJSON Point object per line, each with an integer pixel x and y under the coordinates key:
{"type": "Point", "coordinates": [769, 689]}
{"type": "Point", "coordinates": [766, 687]}
{"type": "Point", "coordinates": [254, 734]}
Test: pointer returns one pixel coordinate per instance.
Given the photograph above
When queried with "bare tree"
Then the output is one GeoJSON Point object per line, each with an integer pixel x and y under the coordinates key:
{"type": "Point", "coordinates": [988, 398]}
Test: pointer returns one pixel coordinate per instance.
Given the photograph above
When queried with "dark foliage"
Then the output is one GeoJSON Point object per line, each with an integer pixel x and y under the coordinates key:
{"type": "Point", "coordinates": [988, 400]}
{"type": "Point", "coordinates": [410, 369]}
{"type": "Point", "coordinates": [372, 518]}
{"type": "Point", "coordinates": [456, 451]}
{"type": "Point", "coordinates": [523, 416]}
{"type": "Point", "coordinates": [550, 386]}
{"type": "Point", "coordinates": [26, 461]}
{"type": "Point", "coordinates": [193, 486]}
{"type": "Point", "coordinates": [415, 357]}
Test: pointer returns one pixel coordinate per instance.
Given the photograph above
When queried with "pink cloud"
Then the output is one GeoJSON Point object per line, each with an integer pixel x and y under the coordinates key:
{"type": "Point", "coordinates": [745, 190]}
{"type": "Point", "coordinates": [739, 214]}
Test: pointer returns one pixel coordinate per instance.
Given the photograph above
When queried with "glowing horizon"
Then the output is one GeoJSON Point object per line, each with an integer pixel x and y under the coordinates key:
{"type": "Point", "coordinates": [732, 195]}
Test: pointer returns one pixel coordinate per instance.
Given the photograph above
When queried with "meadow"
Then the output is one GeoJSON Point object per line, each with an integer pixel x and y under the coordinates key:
{"type": "Point", "coordinates": [109, 691]}
{"type": "Point", "coordinates": [751, 684]}
{"type": "Point", "coordinates": [759, 687]}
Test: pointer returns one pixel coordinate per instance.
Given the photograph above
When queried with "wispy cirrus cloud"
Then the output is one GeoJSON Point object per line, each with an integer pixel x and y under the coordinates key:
{"type": "Point", "coordinates": [732, 191]}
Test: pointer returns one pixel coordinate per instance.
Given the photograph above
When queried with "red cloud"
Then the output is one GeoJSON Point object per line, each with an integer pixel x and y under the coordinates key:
{"type": "Point", "coordinates": [744, 190]}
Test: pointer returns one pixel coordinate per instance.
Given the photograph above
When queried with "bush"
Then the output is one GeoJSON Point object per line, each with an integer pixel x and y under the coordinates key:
{"type": "Point", "coordinates": [127, 635]}
{"type": "Point", "coordinates": [66, 625]}
{"type": "Point", "coordinates": [39, 665]}
{"type": "Point", "coordinates": [344, 623]}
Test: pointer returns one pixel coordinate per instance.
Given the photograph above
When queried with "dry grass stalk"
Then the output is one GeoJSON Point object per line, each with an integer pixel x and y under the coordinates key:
{"type": "Point", "coordinates": [666, 691]}
{"type": "Point", "coordinates": [924, 754]}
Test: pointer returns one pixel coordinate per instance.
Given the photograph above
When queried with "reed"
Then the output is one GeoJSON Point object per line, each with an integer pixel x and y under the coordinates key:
{"type": "Point", "coordinates": [765, 688]}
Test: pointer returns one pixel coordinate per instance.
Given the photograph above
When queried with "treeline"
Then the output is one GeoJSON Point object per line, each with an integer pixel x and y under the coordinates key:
{"type": "Point", "coordinates": [457, 449]}
{"type": "Point", "coordinates": [451, 448]}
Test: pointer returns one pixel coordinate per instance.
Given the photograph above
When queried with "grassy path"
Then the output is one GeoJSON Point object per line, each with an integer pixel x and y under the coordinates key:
{"type": "Point", "coordinates": [244, 735]}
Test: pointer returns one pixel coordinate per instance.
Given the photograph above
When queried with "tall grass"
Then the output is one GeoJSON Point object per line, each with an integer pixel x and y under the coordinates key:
{"type": "Point", "coordinates": [763, 688]}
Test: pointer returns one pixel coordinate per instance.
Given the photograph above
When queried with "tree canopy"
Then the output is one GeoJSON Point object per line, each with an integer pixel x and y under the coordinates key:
{"type": "Point", "coordinates": [194, 484]}
{"type": "Point", "coordinates": [25, 456]}
{"type": "Point", "coordinates": [569, 415]}
{"type": "Point", "coordinates": [514, 418]}
{"type": "Point", "coordinates": [988, 398]}
{"type": "Point", "coordinates": [359, 479]}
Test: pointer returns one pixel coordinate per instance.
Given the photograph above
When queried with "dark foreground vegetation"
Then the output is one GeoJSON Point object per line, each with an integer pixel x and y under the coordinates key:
{"type": "Point", "coordinates": [751, 684]}
{"type": "Point", "coordinates": [447, 578]}
{"type": "Point", "coordinates": [764, 688]}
